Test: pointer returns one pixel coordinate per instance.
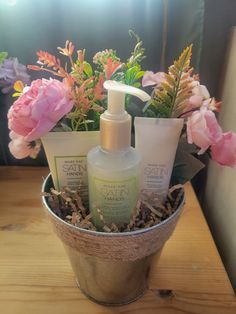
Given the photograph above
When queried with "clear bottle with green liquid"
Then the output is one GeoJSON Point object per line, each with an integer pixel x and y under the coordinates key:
{"type": "Point", "coordinates": [114, 166]}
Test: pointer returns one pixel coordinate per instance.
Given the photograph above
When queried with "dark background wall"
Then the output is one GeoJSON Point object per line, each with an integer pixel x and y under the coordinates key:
{"type": "Point", "coordinates": [220, 16]}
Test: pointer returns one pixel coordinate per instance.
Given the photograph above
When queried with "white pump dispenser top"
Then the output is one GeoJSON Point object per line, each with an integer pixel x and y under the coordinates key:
{"type": "Point", "coordinates": [115, 122]}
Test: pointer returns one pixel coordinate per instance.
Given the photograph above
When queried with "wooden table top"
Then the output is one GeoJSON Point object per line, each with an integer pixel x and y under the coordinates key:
{"type": "Point", "coordinates": [36, 277]}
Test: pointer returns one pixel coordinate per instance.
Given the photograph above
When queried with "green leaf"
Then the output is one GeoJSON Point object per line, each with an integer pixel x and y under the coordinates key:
{"type": "Point", "coordinates": [3, 56]}
{"type": "Point", "coordinates": [168, 88]}
{"type": "Point", "coordinates": [149, 113]}
{"type": "Point", "coordinates": [65, 127]}
{"type": "Point", "coordinates": [95, 117]}
{"type": "Point", "coordinates": [139, 74]}
{"type": "Point", "coordinates": [87, 69]}
{"type": "Point", "coordinates": [57, 129]}
{"type": "Point", "coordinates": [118, 76]}
{"type": "Point", "coordinates": [170, 79]}
{"type": "Point", "coordinates": [134, 109]}
{"type": "Point", "coordinates": [186, 147]}
{"type": "Point", "coordinates": [130, 74]}
{"type": "Point", "coordinates": [87, 121]}
{"type": "Point", "coordinates": [16, 94]}
{"type": "Point", "coordinates": [186, 166]}
{"type": "Point", "coordinates": [136, 84]}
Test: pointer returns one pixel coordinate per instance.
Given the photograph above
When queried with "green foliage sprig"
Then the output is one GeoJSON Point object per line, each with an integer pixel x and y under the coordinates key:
{"type": "Point", "coordinates": [130, 72]}
{"type": "Point", "coordinates": [170, 96]}
{"type": "Point", "coordinates": [3, 56]}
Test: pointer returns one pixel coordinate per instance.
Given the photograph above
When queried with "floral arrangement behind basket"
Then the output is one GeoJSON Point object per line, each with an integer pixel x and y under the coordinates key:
{"type": "Point", "coordinates": [179, 94]}
{"type": "Point", "coordinates": [71, 102]}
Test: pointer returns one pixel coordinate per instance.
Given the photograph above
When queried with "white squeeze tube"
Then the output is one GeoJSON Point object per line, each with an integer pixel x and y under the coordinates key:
{"type": "Point", "coordinates": [156, 139]}
{"type": "Point", "coordinates": [66, 154]}
{"type": "Point", "coordinates": [114, 166]}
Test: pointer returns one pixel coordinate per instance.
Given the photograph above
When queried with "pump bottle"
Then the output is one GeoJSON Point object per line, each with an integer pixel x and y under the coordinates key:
{"type": "Point", "coordinates": [114, 166]}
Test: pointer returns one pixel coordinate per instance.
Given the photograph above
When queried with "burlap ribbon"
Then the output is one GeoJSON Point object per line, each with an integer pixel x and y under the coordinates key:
{"type": "Point", "coordinates": [128, 246]}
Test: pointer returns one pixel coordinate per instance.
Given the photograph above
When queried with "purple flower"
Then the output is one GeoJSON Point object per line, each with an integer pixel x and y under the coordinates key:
{"type": "Point", "coordinates": [10, 72]}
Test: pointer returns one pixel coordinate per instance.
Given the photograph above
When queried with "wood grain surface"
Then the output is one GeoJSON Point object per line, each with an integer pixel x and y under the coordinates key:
{"type": "Point", "coordinates": [36, 277]}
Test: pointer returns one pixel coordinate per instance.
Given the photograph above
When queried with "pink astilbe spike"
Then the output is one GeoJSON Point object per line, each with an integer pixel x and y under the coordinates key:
{"type": "Point", "coordinates": [49, 61]}
{"type": "Point", "coordinates": [80, 54]}
{"type": "Point", "coordinates": [68, 50]}
{"type": "Point", "coordinates": [34, 67]}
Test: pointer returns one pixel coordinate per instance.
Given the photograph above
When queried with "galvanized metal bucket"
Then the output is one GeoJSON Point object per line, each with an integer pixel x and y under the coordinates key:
{"type": "Point", "coordinates": [112, 268]}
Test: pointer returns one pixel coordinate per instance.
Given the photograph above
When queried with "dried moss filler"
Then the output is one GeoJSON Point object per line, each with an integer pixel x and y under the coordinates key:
{"type": "Point", "coordinates": [112, 268]}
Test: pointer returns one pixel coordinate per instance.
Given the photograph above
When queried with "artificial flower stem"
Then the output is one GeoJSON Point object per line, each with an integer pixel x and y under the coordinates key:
{"type": "Point", "coordinates": [72, 62]}
{"type": "Point", "coordinates": [86, 126]}
{"type": "Point", "coordinates": [73, 124]}
{"type": "Point", "coordinates": [186, 112]}
{"type": "Point", "coordinates": [51, 71]}
{"type": "Point", "coordinates": [77, 124]}
{"type": "Point", "coordinates": [175, 94]}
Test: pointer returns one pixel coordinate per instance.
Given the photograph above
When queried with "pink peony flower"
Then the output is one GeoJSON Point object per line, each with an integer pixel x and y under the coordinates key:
{"type": "Point", "coordinates": [203, 129]}
{"type": "Point", "coordinates": [39, 108]}
{"type": "Point", "coordinates": [224, 151]}
{"type": "Point", "coordinates": [151, 78]}
{"type": "Point", "coordinates": [200, 96]}
{"type": "Point", "coordinates": [201, 90]}
{"type": "Point", "coordinates": [195, 101]}
{"type": "Point", "coordinates": [20, 148]}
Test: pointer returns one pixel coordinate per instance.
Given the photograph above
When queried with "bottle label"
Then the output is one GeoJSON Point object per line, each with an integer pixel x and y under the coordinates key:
{"type": "Point", "coordinates": [115, 199]}
{"type": "Point", "coordinates": [155, 180]}
{"type": "Point", "coordinates": [71, 171]}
